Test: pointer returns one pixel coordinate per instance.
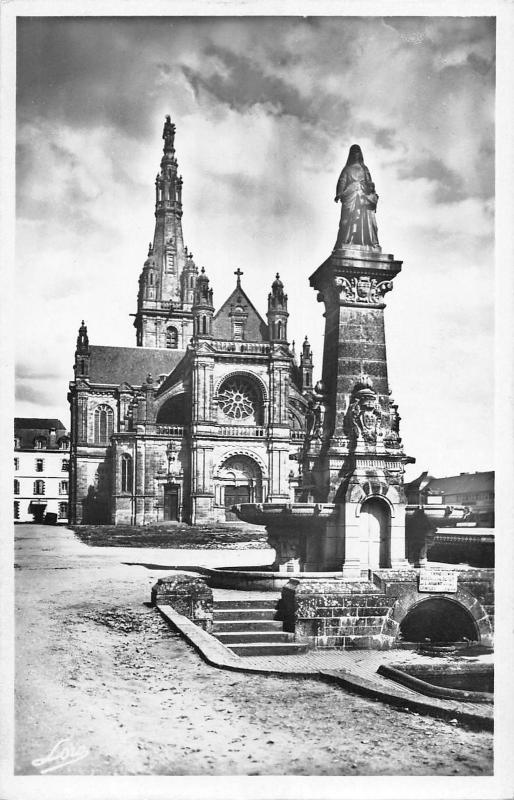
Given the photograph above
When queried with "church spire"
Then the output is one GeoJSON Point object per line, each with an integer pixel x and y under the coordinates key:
{"type": "Point", "coordinates": [161, 284]}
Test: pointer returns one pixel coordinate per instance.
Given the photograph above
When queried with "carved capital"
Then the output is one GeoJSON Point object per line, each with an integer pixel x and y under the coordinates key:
{"type": "Point", "coordinates": [363, 289]}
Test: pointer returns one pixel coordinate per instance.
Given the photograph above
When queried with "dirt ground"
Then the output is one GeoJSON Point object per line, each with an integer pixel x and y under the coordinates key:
{"type": "Point", "coordinates": [95, 664]}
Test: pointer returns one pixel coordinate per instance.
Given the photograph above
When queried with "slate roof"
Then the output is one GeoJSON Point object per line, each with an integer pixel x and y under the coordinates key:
{"type": "Point", "coordinates": [38, 423]}
{"type": "Point", "coordinates": [464, 483]}
{"type": "Point", "coordinates": [115, 365]}
{"type": "Point", "coordinates": [27, 429]}
{"type": "Point", "coordinates": [256, 329]}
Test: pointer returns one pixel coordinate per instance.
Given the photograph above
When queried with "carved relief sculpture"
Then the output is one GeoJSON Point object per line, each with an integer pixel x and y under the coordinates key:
{"type": "Point", "coordinates": [364, 414]}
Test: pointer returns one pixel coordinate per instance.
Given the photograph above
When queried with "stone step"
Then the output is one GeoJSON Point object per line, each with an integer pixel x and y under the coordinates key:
{"type": "Point", "coordinates": [263, 637]}
{"type": "Point", "coordinates": [226, 605]}
{"type": "Point", "coordinates": [246, 625]}
{"type": "Point", "coordinates": [220, 615]}
{"type": "Point", "coordinates": [258, 649]}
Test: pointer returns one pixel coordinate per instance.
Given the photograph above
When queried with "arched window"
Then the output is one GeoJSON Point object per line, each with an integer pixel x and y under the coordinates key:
{"type": "Point", "coordinates": [279, 330]}
{"type": "Point", "coordinates": [126, 473]}
{"type": "Point", "coordinates": [40, 443]}
{"type": "Point", "coordinates": [172, 338]}
{"type": "Point", "coordinates": [16, 486]}
{"type": "Point", "coordinates": [39, 487]}
{"type": "Point", "coordinates": [63, 443]}
{"type": "Point", "coordinates": [104, 423]}
{"type": "Point", "coordinates": [204, 324]}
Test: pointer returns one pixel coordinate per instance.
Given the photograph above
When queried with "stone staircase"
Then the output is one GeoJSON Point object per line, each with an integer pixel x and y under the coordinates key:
{"type": "Point", "coordinates": [250, 628]}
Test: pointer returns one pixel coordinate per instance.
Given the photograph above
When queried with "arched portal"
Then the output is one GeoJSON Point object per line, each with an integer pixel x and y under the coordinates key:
{"type": "Point", "coordinates": [375, 534]}
{"type": "Point", "coordinates": [238, 480]}
{"type": "Point", "coordinates": [440, 620]}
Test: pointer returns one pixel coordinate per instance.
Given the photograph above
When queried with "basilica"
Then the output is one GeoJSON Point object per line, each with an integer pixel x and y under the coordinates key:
{"type": "Point", "coordinates": [210, 409]}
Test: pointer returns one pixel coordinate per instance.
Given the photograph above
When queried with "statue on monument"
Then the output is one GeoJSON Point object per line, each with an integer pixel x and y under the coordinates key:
{"type": "Point", "coordinates": [356, 192]}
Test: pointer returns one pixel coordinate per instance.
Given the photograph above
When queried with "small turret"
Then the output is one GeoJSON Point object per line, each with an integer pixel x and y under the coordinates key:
{"type": "Point", "coordinates": [277, 312]}
{"type": "Point", "coordinates": [188, 281]}
{"type": "Point", "coordinates": [82, 353]}
{"type": "Point", "coordinates": [306, 366]}
{"type": "Point", "coordinates": [203, 308]}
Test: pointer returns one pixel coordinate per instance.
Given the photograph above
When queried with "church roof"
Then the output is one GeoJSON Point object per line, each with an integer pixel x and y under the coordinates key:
{"type": "Point", "coordinates": [115, 365]}
{"type": "Point", "coordinates": [256, 329]}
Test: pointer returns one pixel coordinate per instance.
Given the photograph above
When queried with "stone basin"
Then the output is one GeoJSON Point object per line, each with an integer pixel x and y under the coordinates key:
{"type": "Point", "coordinates": [307, 513]}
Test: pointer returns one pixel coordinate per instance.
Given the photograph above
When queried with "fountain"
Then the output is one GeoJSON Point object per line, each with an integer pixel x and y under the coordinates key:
{"type": "Point", "coordinates": [351, 518]}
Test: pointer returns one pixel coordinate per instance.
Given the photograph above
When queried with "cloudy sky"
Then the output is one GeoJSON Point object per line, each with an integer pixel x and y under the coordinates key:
{"type": "Point", "coordinates": [265, 109]}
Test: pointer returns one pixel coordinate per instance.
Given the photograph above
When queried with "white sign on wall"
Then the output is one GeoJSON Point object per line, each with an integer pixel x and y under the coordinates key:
{"type": "Point", "coordinates": [437, 580]}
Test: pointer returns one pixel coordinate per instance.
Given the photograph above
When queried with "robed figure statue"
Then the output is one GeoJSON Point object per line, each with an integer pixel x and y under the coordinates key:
{"type": "Point", "coordinates": [356, 191]}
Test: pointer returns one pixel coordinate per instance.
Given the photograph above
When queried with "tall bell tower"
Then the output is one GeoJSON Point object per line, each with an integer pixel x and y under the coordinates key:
{"type": "Point", "coordinates": [164, 317]}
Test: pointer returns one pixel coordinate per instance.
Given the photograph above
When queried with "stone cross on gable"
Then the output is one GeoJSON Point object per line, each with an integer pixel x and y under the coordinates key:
{"type": "Point", "coordinates": [238, 272]}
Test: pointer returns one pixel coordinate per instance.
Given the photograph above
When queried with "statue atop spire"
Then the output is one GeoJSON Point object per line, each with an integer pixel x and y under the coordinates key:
{"type": "Point", "coordinates": [168, 134]}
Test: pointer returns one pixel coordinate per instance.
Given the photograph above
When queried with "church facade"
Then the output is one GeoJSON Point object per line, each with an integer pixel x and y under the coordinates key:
{"type": "Point", "coordinates": [210, 408]}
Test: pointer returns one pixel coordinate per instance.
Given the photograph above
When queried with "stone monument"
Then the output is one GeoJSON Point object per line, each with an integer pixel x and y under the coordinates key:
{"type": "Point", "coordinates": [352, 514]}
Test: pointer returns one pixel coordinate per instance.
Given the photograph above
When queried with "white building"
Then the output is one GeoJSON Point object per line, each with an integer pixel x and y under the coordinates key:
{"type": "Point", "coordinates": [41, 470]}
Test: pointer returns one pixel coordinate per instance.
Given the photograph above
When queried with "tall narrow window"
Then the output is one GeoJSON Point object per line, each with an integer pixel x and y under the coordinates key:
{"type": "Point", "coordinates": [65, 465]}
{"type": "Point", "coordinates": [63, 510]}
{"type": "Point", "coordinates": [40, 464]}
{"type": "Point", "coordinates": [126, 473]}
{"type": "Point", "coordinates": [172, 338]}
{"type": "Point", "coordinates": [16, 486]}
{"type": "Point", "coordinates": [204, 324]}
{"type": "Point", "coordinates": [104, 423]}
{"type": "Point", "coordinates": [16, 509]}
{"type": "Point", "coordinates": [39, 487]}
{"type": "Point", "coordinates": [16, 464]}
{"type": "Point", "coordinates": [63, 487]}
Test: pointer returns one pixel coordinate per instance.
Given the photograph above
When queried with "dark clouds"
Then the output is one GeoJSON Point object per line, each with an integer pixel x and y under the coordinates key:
{"type": "Point", "coordinates": [266, 109]}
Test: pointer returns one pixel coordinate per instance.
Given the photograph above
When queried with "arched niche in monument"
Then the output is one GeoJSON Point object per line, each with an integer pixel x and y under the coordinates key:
{"type": "Point", "coordinates": [375, 534]}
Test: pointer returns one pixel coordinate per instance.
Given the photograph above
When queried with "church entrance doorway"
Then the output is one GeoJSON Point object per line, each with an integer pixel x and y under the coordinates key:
{"type": "Point", "coordinates": [375, 527]}
{"type": "Point", "coordinates": [171, 502]}
{"type": "Point", "coordinates": [237, 480]}
{"type": "Point", "coordinates": [233, 496]}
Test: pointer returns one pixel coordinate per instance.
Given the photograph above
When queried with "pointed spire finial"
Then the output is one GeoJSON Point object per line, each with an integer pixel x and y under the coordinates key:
{"type": "Point", "coordinates": [82, 338]}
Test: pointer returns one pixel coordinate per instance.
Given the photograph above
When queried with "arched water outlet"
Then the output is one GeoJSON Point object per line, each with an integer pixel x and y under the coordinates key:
{"type": "Point", "coordinates": [440, 620]}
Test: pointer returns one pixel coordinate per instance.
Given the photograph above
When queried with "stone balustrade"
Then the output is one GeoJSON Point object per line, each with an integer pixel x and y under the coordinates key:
{"type": "Point", "coordinates": [170, 430]}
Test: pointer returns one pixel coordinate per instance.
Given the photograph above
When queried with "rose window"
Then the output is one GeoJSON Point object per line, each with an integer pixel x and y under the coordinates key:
{"type": "Point", "coordinates": [237, 400]}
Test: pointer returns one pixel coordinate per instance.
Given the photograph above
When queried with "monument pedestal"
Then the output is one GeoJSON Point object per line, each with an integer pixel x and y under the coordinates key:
{"type": "Point", "coordinates": [360, 464]}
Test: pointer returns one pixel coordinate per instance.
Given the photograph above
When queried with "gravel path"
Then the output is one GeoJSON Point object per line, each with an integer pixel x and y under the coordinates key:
{"type": "Point", "coordinates": [97, 665]}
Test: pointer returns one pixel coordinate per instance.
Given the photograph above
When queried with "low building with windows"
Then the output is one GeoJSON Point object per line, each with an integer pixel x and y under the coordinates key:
{"type": "Point", "coordinates": [208, 410]}
{"type": "Point", "coordinates": [41, 470]}
{"type": "Point", "coordinates": [473, 490]}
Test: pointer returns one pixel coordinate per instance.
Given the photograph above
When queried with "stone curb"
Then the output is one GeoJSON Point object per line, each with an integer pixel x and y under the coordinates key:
{"type": "Point", "coordinates": [217, 655]}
